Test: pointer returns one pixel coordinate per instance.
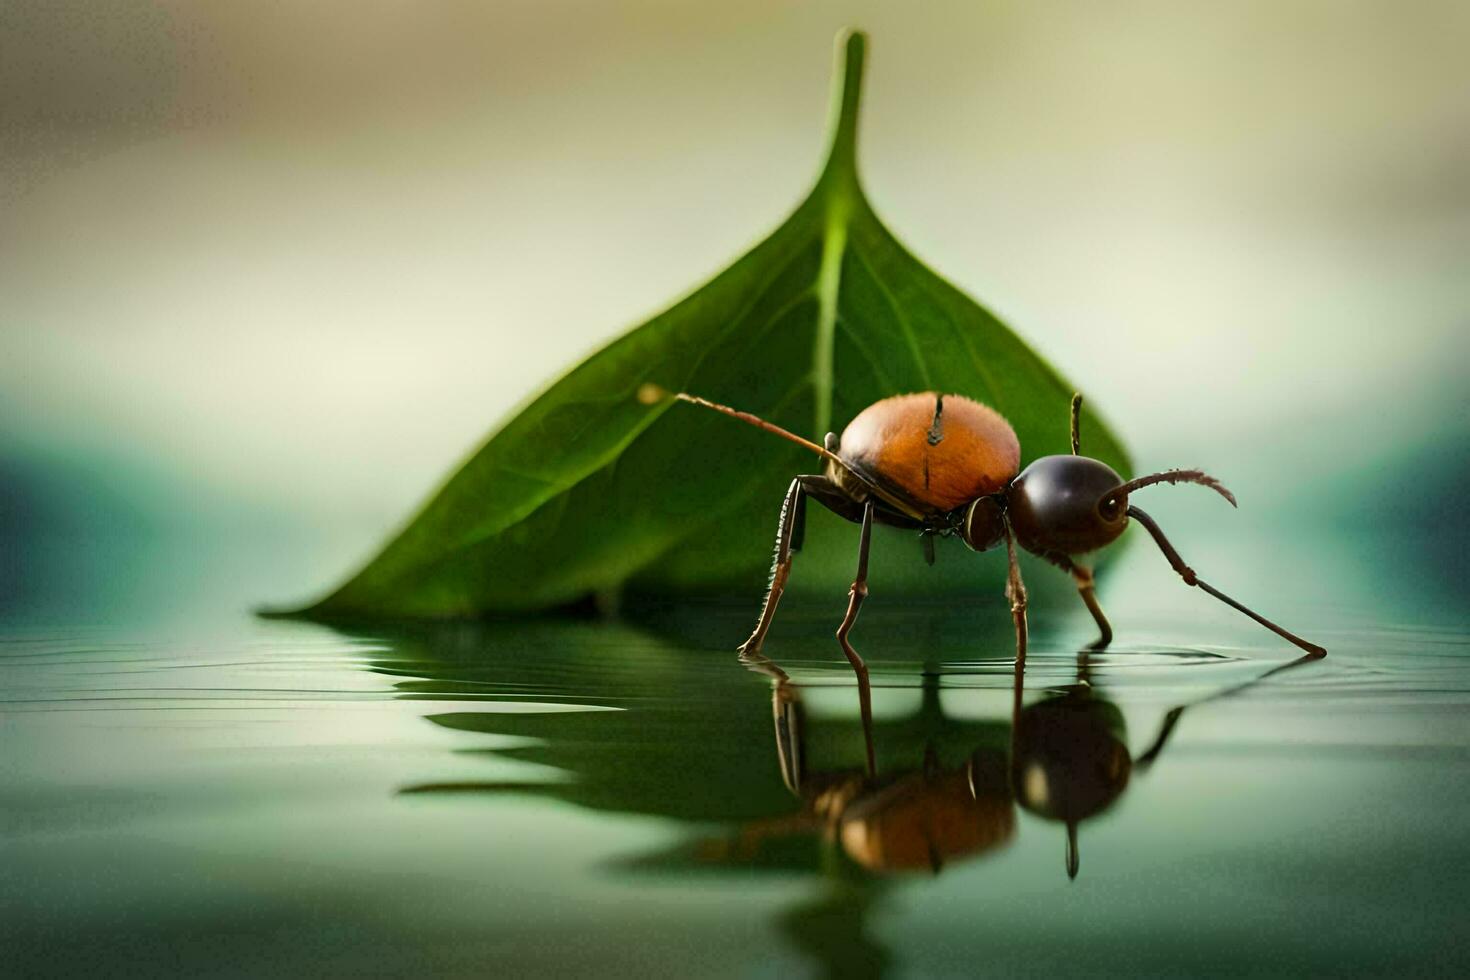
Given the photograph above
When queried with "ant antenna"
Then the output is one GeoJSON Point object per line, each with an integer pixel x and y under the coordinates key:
{"type": "Point", "coordinates": [652, 394]}
{"type": "Point", "coordinates": [1187, 573]}
{"type": "Point", "coordinates": [1172, 476]}
{"type": "Point", "coordinates": [1077, 423]}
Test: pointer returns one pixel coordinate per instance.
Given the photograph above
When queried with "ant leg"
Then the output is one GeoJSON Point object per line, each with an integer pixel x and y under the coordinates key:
{"type": "Point", "coordinates": [1187, 573]}
{"type": "Point", "coordinates": [1082, 575]}
{"type": "Point", "coordinates": [855, 597]}
{"type": "Point", "coordinates": [798, 526]}
{"type": "Point", "coordinates": [788, 540]}
{"type": "Point", "coordinates": [857, 594]}
{"type": "Point", "coordinates": [795, 502]}
{"type": "Point", "coordinates": [1016, 592]}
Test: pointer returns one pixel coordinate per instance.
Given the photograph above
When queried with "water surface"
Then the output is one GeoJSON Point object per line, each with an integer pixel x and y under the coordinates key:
{"type": "Point", "coordinates": [233, 796]}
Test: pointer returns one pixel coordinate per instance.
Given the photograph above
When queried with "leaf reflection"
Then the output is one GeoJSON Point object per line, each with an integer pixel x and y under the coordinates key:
{"type": "Point", "coordinates": [774, 777]}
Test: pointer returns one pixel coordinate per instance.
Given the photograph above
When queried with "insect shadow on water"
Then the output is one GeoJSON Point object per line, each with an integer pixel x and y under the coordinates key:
{"type": "Point", "coordinates": [1066, 759]}
{"type": "Point", "coordinates": [948, 466]}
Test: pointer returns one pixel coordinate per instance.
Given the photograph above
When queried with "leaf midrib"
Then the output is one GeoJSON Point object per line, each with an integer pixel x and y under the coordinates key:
{"type": "Point", "coordinates": [841, 196]}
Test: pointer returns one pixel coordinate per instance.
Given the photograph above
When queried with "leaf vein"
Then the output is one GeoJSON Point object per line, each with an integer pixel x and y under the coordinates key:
{"type": "Point", "coordinates": [908, 330]}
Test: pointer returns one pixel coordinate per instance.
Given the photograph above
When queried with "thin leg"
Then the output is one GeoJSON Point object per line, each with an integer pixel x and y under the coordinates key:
{"type": "Point", "coordinates": [1187, 573]}
{"type": "Point", "coordinates": [1085, 589]}
{"type": "Point", "coordinates": [1016, 592]}
{"type": "Point", "coordinates": [855, 597]}
{"type": "Point", "coordinates": [1018, 685]}
{"type": "Point", "coordinates": [1082, 575]}
{"type": "Point", "coordinates": [759, 663]}
{"type": "Point", "coordinates": [794, 504]}
{"type": "Point", "coordinates": [788, 541]}
{"type": "Point", "coordinates": [798, 521]}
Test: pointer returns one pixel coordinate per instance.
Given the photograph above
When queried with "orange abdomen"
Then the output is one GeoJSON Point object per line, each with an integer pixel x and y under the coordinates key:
{"type": "Point", "coordinates": [942, 450]}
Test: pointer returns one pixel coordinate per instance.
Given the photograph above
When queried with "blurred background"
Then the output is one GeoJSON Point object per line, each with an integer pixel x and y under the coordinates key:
{"type": "Point", "coordinates": [269, 271]}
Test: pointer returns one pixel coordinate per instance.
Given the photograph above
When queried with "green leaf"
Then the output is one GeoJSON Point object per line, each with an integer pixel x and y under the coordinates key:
{"type": "Point", "coordinates": [587, 490]}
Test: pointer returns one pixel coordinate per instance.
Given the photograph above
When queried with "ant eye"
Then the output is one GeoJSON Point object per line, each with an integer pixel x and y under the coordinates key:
{"type": "Point", "coordinates": [1110, 509]}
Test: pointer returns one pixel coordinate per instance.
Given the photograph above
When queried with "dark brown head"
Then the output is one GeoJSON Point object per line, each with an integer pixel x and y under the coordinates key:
{"type": "Point", "coordinates": [1066, 504]}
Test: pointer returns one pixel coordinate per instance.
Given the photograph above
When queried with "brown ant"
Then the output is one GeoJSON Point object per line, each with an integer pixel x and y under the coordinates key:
{"type": "Point", "coordinates": [948, 466]}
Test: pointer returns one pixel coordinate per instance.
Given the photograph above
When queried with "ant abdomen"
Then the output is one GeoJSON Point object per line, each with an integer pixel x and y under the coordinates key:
{"type": "Point", "coordinates": [1062, 504]}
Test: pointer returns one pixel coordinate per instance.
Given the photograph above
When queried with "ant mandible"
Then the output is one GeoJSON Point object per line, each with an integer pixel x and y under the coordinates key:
{"type": "Point", "coordinates": [946, 465]}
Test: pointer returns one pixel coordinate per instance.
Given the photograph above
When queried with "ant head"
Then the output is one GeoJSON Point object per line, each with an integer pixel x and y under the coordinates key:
{"type": "Point", "coordinates": [1067, 504]}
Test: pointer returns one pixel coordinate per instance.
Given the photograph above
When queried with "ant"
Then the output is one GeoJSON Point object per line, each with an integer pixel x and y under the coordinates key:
{"type": "Point", "coordinates": [948, 466]}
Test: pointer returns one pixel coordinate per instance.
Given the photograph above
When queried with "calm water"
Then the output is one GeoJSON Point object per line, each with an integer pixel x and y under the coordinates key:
{"type": "Point", "coordinates": [219, 794]}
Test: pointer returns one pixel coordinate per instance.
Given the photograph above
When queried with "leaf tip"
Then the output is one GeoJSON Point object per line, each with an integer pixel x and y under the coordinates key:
{"type": "Point", "coordinates": [847, 87]}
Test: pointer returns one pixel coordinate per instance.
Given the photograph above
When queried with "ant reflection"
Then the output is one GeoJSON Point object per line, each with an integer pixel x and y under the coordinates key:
{"type": "Point", "coordinates": [919, 818]}
{"type": "Point", "coordinates": [1069, 756]}
{"type": "Point", "coordinates": [1067, 760]}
